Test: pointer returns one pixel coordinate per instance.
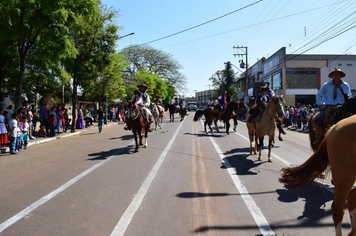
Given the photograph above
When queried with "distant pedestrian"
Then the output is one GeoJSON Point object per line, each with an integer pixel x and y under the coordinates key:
{"type": "Point", "coordinates": [100, 119]}
{"type": "Point", "coordinates": [24, 127]}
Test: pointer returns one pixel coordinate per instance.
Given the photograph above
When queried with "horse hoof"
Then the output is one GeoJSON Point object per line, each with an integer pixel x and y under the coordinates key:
{"type": "Point", "coordinates": [136, 150]}
{"type": "Point", "coordinates": [280, 139]}
{"type": "Point", "coordinates": [145, 146]}
{"type": "Point", "coordinates": [270, 160]}
{"type": "Point", "coordinates": [259, 159]}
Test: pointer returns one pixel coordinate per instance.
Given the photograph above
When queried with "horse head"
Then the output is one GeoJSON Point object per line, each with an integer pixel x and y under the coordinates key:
{"type": "Point", "coordinates": [279, 104]}
{"type": "Point", "coordinates": [132, 109]}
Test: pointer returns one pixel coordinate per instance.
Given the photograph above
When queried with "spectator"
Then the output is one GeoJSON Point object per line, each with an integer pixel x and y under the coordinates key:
{"type": "Point", "coordinates": [59, 114]}
{"type": "Point", "coordinates": [80, 121]}
{"type": "Point", "coordinates": [291, 115]}
{"type": "Point", "coordinates": [299, 116]}
{"type": "Point", "coordinates": [42, 132]}
{"type": "Point", "coordinates": [44, 118]}
{"type": "Point", "coordinates": [304, 120]}
{"type": "Point", "coordinates": [52, 119]}
{"type": "Point", "coordinates": [100, 119]}
{"type": "Point", "coordinates": [24, 127]}
{"type": "Point", "coordinates": [286, 117]}
{"type": "Point", "coordinates": [13, 133]}
{"type": "Point", "coordinates": [19, 136]}
{"type": "Point", "coordinates": [67, 120]}
{"type": "Point", "coordinates": [3, 130]}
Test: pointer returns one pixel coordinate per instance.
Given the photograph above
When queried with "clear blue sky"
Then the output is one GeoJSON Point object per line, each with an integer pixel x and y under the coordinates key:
{"type": "Point", "coordinates": [264, 28]}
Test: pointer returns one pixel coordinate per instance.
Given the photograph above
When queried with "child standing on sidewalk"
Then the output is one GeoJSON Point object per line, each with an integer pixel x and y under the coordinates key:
{"type": "Point", "coordinates": [52, 118]}
{"type": "Point", "coordinates": [13, 133]}
{"type": "Point", "coordinates": [3, 131]}
{"type": "Point", "coordinates": [24, 127]}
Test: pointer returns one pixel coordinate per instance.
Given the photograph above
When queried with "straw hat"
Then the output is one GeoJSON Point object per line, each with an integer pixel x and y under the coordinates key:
{"type": "Point", "coordinates": [142, 85]}
{"type": "Point", "coordinates": [337, 69]}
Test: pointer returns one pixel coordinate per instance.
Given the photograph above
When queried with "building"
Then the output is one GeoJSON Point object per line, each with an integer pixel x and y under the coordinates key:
{"type": "Point", "coordinates": [297, 77]}
{"type": "Point", "coordinates": [203, 97]}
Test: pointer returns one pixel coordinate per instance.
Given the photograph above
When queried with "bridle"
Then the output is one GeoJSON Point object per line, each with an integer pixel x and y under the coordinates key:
{"type": "Point", "coordinates": [131, 111]}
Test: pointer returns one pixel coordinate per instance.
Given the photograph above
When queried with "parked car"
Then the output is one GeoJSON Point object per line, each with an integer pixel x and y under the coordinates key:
{"type": "Point", "coordinates": [192, 106]}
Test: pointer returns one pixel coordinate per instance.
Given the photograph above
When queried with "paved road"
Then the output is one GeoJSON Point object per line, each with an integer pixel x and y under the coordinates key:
{"type": "Point", "coordinates": [184, 183]}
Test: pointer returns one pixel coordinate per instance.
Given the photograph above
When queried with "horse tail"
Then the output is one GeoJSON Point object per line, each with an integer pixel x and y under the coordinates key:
{"type": "Point", "coordinates": [198, 114]}
{"type": "Point", "coordinates": [303, 175]}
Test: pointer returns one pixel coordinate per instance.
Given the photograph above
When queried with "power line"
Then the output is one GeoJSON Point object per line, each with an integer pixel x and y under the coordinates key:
{"type": "Point", "coordinates": [217, 18]}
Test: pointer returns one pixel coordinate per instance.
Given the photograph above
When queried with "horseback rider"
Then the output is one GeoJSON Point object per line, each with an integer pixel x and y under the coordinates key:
{"type": "Point", "coordinates": [222, 101]}
{"type": "Point", "coordinates": [158, 101]}
{"type": "Point", "coordinates": [261, 102]}
{"type": "Point", "coordinates": [228, 97]}
{"type": "Point", "coordinates": [331, 93]}
{"type": "Point", "coordinates": [144, 105]}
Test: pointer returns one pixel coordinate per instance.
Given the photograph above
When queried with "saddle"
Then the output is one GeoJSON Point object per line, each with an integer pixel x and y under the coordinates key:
{"type": "Point", "coordinates": [332, 116]}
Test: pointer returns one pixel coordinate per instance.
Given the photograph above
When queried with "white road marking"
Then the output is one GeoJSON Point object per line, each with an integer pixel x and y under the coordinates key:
{"type": "Point", "coordinates": [126, 218]}
{"type": "Point", "coordinates": [256, 213]}
{"type": "Point", "coordinates": [325, 185]}
{"type": "Point", "coordinates": [48, 197]}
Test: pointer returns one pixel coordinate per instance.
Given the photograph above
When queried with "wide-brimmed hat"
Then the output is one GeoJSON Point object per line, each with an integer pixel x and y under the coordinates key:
{"type": "Point", "coordinates": [224, 92]}
{"type": "Point", "coordinates": [337, 69]}
{"type": "Point", "coordinates": [142, 85]}
{"type": "Point", "coordinates": [264, 88]}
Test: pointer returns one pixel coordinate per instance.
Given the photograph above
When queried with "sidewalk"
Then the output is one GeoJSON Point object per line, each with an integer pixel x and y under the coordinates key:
{"type": "Point", "coordinates": [58, 136]}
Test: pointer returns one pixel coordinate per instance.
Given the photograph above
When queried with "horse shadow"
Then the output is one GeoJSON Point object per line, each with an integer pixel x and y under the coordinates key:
{"type": "Point", "coordinates": [103, 155]}
{"type": "Point", "coordinates": [203, 134]}
{"type": "Point", "coordinates": [315, 198]}
{"type": "Point", "coordinates": [240, 162]}
{"type": "Point", "coordinates": [124, 137]}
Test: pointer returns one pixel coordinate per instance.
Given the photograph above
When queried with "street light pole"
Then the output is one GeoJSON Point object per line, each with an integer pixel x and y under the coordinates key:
{"type": "Point", "coordinates": [106, 94]}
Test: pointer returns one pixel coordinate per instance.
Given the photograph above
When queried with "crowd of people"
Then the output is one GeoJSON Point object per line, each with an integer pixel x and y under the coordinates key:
{"type": "Point", "coordinates": [296, 117]}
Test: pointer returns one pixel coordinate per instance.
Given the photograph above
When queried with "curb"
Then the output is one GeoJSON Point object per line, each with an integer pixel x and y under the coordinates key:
{"type": "Point", "coordinates": [46, 140]}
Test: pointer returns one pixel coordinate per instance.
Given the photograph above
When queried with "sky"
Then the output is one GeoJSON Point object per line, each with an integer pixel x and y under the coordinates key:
{"type": "Point", "coordinates": [212, 28]}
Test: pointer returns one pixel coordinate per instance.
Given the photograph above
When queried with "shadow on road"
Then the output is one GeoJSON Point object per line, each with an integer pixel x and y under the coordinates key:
{"type": "Point", "coordinates": [106, 154]}
{"type": "Point", "coordinates": [123, 137]}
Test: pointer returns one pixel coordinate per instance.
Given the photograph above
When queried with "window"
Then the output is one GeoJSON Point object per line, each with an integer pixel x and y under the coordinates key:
{"type": "Point", "coordinates": [302, 79]}
{"type": "Point", "coordinates": [349, 64]}
{"type": "Point", "coordinates": [276, 82]}
{"type": "Point", "coordinates": [339, 64]}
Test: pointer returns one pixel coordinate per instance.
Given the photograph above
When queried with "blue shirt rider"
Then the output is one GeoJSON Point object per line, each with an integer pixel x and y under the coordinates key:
{"type": "Point", "coordinates": [332, 93]}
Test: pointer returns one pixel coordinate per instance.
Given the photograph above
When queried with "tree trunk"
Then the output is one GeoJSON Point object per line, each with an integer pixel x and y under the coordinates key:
{"type": "Point", "coordinates": [20, 82]}
{"type": "Point", "coordinates": [74, 104]}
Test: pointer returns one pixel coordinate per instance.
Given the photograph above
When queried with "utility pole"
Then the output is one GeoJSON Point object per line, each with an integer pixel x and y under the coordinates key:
{"type": "Point", "coordinates": [242, 51]}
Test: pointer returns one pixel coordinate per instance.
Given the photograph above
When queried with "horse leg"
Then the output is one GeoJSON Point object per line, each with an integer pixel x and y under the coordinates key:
{"type": "Point", "coordinates": [255, 151]}
{"type": "Point", "coordinates": [251, 136]}
{"type": "Point", "coordinates": [260, 144]}
{"type": "Point", "coordinates": [351, 204]}
{"type": "Point", "coordinates": [136, 141]}
{"type": "Point", "coordinates": [227, 124]}
{"type": "Point", "coordinates": [216, 125]}
{"type": "Point", "coordinates": [235, 125]}
{"type": "Point", "coordinates": [271, 139]}
{"type": "Point", "coordinates": [341, 192]}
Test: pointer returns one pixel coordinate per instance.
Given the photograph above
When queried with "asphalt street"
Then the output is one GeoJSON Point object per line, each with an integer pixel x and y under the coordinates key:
{"type": "Point", "coordinates": [184, 183]}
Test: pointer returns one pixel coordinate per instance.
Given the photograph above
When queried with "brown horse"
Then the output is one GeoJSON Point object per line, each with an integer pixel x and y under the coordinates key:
{"type": "Point", "coordinates": [264, 124]}
{"type": "Point", "coordinates": [139, 124]}
{"type": "Point", "coordinates": [230, 112]}
{"type": "Point", "coordinates": [337, 151]}
{"type": "Point", "coordinates": [338, 113]}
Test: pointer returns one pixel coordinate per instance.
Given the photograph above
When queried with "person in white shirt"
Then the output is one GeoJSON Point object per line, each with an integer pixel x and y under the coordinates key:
{"type": "Point", "coordinates": [13, 133]}
{"type": "Point", "coordinates": [24, 127]}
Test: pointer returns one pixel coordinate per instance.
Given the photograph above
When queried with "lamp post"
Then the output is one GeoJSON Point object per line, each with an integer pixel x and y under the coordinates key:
{"type": "Point", "coordinates": [106, 93]}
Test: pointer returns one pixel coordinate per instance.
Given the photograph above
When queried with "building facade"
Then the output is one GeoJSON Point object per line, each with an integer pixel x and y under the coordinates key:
{"type": "Point", "coordinates": [297, 77]}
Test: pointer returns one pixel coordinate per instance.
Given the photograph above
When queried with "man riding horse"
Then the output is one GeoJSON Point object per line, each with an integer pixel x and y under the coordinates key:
{"type": "Point", "coordinates": [221, 105]}
{"type": "Point", "coordinates": [331, 94]}
{"type": "Point", "coordinates": [143, 100]}
{"type": "Point", "coordinates": [261, 102]}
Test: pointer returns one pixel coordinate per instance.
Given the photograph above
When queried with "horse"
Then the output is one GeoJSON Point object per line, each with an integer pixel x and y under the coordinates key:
{"type": "Point", "coordinates": [231, 112]}
{"type": "Point", "coordinates": [264, 124]}
{"type": "Point", "coordinates": [172, 109]}
{"type": "Point", "coordinates": [183, 112]}
{"type": "Point", "coordinates": [139, 124]}
{"type": "Point", "coordinates": [337, 152]}
{"type": "Point", "coordinates": [338, 113]}
{"type": "Point", "coordinates": [157, 113]}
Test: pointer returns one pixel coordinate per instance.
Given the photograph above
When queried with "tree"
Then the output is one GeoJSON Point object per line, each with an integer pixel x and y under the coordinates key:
{"type": "Point", "coordinates": [224, 80]}
{"type": "Point", "coordinates": [35, 33]}
{"type": "Point", "coordinates": [109, 81]}
{"type": "Point", "coordinates": [95, 38]}
{"type": "Point", "coordinates": [155, 62]}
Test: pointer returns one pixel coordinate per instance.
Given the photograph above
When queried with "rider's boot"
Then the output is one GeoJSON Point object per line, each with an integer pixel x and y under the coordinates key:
{"type": "Point", "coordinates": [279, 125]}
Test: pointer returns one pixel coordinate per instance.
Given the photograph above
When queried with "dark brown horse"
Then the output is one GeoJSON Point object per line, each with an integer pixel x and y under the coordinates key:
{"type": "Point", "coordinates": [139, 124]}
{"type": "Point", "coordinates": [231, 111]}
{"type": "Point", "coordinates": [337, 151]}
{"type": "Point", "coordinates": [182, 110]}
{"type": "Point", "coordinates": [337, 113]}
